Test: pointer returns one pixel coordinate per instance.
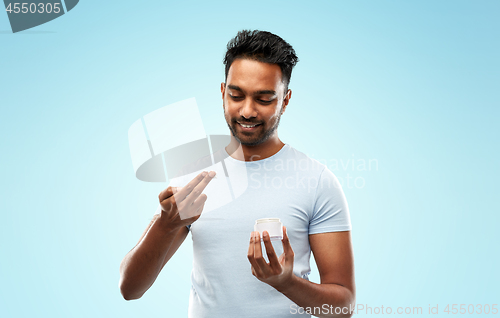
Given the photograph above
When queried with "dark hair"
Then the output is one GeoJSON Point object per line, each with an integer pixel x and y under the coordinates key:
{"type": "Point", "coordinates": [264, 47]}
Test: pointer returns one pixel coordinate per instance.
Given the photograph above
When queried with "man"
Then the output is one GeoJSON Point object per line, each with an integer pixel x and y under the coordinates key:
{"type": "Point", "coordinates": [231, 276]}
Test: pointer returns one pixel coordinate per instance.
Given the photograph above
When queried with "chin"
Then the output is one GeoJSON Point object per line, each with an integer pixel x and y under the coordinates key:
{"type": "Point", "coordinates": [245, 141]}
{"type": "Point", "coordinates": [250, 144]}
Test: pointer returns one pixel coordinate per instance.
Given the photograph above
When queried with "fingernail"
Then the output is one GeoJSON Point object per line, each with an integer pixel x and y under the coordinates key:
{"type": "Point", "coordinates": [203, 174]}
{"type": "Point", "coordinates": [211, 174]}
{"type": "Point", "coordinates": [264, 234]}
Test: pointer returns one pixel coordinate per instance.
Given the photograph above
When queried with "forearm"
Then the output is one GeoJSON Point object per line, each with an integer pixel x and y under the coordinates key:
{"type": "Point", "coordinates": [141, 266]}
{"type": "Point", "coordinates": [325, 297]}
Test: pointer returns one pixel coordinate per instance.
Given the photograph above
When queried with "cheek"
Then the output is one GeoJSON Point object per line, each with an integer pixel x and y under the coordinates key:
{"type": "Point", "coordinates": [276, 113]}
{"type": "Point", "coordinates": [231, 109]}
{"type": "Point", "coordinates": [228, 112]}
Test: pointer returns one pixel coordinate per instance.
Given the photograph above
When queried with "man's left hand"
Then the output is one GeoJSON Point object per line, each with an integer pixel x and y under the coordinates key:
{"type": "Point", "coordinates": [278, 272]}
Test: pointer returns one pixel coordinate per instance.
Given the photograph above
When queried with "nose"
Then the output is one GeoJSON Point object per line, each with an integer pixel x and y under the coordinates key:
{"type": "Point", "coordinates": [248, 110]}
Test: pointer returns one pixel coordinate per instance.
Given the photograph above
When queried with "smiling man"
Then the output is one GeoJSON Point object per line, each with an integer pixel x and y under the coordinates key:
{"type": "Point", "coordinates": [245, 99]}
{"type": "Point", "coordinates": [236, 271]}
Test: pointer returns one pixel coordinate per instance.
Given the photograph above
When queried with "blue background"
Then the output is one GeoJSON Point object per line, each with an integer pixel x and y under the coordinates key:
{"type": "Point", "coordinates": [413, 85]}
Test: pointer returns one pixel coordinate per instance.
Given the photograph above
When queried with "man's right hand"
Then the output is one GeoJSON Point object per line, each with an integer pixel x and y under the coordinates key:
{"type": "Point", "coordinates": [183, 205]}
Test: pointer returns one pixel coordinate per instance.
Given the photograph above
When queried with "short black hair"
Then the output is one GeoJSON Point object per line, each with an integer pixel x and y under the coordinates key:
{"type": "Point", "coordinates": [264, 47]}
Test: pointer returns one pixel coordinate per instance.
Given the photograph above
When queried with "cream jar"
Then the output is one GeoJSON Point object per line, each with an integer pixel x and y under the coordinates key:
{"type": "Point", "coordinates": [272, 225]}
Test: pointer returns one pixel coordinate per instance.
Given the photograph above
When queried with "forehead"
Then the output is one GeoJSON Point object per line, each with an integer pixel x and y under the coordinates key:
{"type": "Point", "coordinates": [251, 75]}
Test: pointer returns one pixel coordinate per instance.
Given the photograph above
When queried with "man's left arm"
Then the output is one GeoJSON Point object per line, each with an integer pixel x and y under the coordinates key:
{"type": "Point", "coordinates": [334, 258]}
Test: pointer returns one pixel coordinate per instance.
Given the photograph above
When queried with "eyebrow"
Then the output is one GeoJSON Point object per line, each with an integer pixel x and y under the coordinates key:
{"type": "Point", "coordinates": [262, 92]}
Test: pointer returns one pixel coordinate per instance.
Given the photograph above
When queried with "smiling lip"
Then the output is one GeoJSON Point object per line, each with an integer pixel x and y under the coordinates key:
{"type": "Point", "coordinates": [250, 126]}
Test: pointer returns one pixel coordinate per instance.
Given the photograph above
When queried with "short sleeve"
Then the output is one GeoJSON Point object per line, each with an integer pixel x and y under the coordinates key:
{"type": "Point", "coordinates": [330, 211]}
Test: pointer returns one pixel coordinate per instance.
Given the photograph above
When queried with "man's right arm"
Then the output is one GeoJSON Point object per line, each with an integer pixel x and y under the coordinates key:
{"type": "Point", "coordinates": [142, 265]}
{"type": "Point", "coordinates": [166, 232]}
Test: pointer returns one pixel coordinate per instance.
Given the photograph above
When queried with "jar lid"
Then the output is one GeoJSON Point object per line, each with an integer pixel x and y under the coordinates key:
{"type": "Point", "coordinates": [267, 220]}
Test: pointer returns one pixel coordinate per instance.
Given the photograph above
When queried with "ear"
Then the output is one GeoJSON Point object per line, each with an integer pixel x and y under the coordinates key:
{"type": "Point", "coordinates": [223, 91]}
{"type": "Point", "coordinates": [286, 100]}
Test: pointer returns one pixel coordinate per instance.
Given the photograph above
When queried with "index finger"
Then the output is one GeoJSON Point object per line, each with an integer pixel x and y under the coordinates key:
{"type": "Point", "coordinates": [198, 189]}
{"type": "Point", "coordinates": [186, 190]}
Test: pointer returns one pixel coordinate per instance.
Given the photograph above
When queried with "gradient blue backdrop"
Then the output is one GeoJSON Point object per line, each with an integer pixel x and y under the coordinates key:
{"type": "Point", "coordinates": [413, 85]}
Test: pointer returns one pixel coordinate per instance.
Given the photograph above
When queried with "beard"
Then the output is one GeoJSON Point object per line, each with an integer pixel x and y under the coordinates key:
{"type": "Point", "coordinates": [265, 130]}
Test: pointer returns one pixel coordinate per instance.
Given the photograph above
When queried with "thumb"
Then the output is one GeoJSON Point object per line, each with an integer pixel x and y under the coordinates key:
{"type": "Point", "coordinates": [287, 248]}
{"type": "Point", "coordinates": [281, 259]}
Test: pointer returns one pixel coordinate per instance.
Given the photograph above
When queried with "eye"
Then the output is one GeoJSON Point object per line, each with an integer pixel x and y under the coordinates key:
{"type": "Point", "coordinates": [236, 97]}
{"type": "Point", "coordinates": [264, 102]}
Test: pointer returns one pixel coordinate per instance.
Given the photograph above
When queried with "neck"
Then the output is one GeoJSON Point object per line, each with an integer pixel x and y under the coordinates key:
{"type": "Point", "coordinates": [254, 153]}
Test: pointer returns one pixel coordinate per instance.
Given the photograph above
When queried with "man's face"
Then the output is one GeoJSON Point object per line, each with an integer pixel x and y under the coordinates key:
{"type": "Point", "coordinates": [253, 100]}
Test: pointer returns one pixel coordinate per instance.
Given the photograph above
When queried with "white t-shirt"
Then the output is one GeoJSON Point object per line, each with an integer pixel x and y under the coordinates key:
{"type": "Point", "coordinates": [303, 193]}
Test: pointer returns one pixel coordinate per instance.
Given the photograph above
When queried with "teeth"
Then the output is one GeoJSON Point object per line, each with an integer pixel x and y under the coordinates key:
{"type": "Point", "coordinates": [248, 126]}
